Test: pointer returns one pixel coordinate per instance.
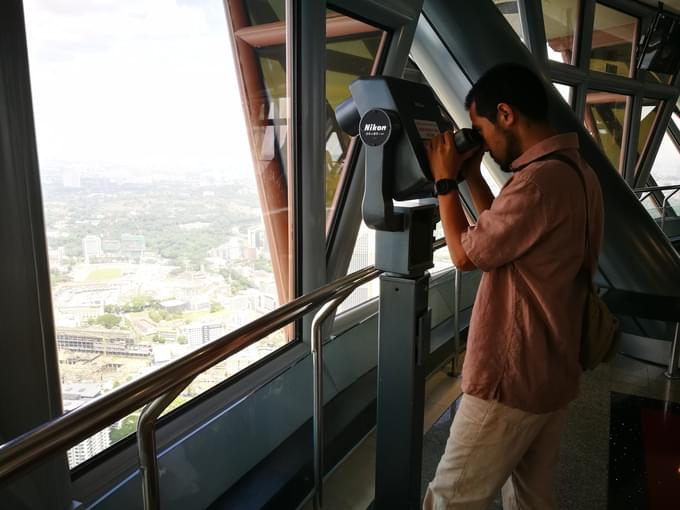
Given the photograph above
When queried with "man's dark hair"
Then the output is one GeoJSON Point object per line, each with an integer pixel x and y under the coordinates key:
{"type": "Point", "coordinates": [513, 84]}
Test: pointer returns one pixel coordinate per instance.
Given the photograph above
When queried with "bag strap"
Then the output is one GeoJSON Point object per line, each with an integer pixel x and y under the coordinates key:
{"type": "Point", "coordinates": [569, 162]}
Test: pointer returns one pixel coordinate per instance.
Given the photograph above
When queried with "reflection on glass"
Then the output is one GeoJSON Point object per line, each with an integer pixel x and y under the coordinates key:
{"type": "Point", "coordinates": [648, 114]}
{"type": "Point", "coordinates": [362, 256]}
{"type": "Point", "coordinates": [348, 56]}
{"type": "Point", "coordinates": [560, 18]}
{"type": "Point", "coordinates": [605, 119]}
{"type": "Point", "coordinates": [566, 91]}
{"type": "Point", "coordinates": [510, 10]}
{"type": "Point", "coordinates": [614, 34]}
{"type": "Point", "coordinates": [352, 49]}
{"type": "Point", "coordinates": [661, 50]}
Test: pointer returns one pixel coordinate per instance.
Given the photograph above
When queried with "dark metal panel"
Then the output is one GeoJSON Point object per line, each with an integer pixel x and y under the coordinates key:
{"type": "Point", "coordinates": [30, 392]}
{"type": "Point", "coordinates": [306, 82]}
{"type": "Point", "coordinates": [636, 255]}
{"type": "Point", "coordinates": [390, 15]}
{"type": "Point", "coordinates": [566, 74]}
{"type": "Point", "coordinates": [632, 7]}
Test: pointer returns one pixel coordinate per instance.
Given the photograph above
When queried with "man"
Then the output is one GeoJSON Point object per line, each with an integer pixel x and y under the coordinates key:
{"type": "Point", "coordinates": [521, 366]}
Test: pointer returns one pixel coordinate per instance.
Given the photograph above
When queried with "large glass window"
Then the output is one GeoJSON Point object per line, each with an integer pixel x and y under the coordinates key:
{"type": "Point", "coordinates": [614, 35]}
{"type": "Point", "coordinates": [606, 120]}
{"type": "Point", "coordinates": [665, 172]}
{"type": "Point", "coordinates": [352, 50]}
{"type": "Point", "coordinates": [510, 10]}
{"type": "Point", "coordinates": [560, 18]}
{"type": "Point", "coordinates": [157, 240]}
{"type": "Point", "coordinates": [648, 114]}
{"type": "Point", "coordinates": [566, 91]}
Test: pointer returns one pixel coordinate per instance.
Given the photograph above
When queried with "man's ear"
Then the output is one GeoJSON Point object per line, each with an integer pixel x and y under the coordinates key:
{"type": "Point", "coordinates": [505, 114]}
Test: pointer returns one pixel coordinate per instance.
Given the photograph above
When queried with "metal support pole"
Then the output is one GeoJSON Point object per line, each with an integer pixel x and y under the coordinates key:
{"type": "Point", "coordinates": [456, 319]}
{"type": "Point", "coordinates": [673, 371]}
{"type": "Point", "coordinates": [404, 345]}
{"type": "Point", "coordinates": [317, 364]}
{"type": "Point", "coordinates": [146, 444]}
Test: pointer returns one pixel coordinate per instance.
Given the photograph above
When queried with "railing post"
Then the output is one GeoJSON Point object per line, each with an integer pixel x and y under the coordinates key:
{"type": "Point", "coordinates": [146, 446]}
{"type": "Point", "coordinates": [317, 364]}
{"type": "Point", "coordinates": [673, 371]}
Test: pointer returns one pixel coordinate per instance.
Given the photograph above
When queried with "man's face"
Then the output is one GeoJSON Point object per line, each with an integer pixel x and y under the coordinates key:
{"type": "Point", "coordinates": [499, 138]}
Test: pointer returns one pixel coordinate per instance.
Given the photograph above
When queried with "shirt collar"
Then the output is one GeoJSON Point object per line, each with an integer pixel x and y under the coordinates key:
{"type": "Point", "coordinates": [545, 147]}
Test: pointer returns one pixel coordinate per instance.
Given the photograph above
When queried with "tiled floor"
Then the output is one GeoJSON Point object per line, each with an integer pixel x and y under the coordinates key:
{"type": "Point", "coordinates": [585, 449]}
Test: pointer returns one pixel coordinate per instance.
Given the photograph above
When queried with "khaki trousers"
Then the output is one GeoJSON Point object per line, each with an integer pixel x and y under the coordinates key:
{"type": "Point", "coordinates": [492, 446]}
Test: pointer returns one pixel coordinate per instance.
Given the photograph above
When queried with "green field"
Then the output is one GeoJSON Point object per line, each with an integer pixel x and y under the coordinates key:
{"type": "Point", "coordinates": [104, 274]}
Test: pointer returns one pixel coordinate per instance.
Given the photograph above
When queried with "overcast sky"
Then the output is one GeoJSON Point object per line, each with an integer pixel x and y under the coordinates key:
{"type": "Point", "coordinates": [145, 83]}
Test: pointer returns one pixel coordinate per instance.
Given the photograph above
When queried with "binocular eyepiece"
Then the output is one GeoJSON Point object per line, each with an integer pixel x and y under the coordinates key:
{"type": "Point", "coordinates": [349, 119]}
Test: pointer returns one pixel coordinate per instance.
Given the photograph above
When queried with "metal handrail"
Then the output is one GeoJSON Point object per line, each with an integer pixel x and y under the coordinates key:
{"type": "Point", "coordinates": [159, 388]}
{"type": "Point", "coordinates": [69, 429]}
{"type": "Point", "coordinates": [653, 189]}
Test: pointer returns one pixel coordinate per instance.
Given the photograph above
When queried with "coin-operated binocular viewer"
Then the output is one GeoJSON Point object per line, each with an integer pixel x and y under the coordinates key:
{"type": "Point", "coordinates": [394, 118]}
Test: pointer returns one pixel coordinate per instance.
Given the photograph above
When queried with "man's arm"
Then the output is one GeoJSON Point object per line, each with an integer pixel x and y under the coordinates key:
{"type": "Point", "coordinates": [455, 223]}
{"type": "Point", "coordinates": [479, 189]}
{"type": "Point", "coordinates": [445, 163]}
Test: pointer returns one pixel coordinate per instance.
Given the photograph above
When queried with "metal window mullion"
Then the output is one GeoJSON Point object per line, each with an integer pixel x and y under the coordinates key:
{"type": "Point", "coordinates": [674, 132]}
{"type": "Point", "coordinates": [306, 89]}
{"type": "Point", "coordinates": [632, 134]}
{"type": "Point", "coordinates": [585, 34]}
{"type": "Point", "coordinates": [531, 15]}
{"type": "Point", "coordinates": [565, 73]}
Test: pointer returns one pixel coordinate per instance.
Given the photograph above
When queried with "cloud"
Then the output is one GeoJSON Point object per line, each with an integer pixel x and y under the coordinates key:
{"type": "Point", "coordinates": [132, 81]}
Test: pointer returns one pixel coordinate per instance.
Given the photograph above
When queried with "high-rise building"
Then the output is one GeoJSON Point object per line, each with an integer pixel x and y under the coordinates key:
{"type": "Point", "coordinates": [89, 448]}
{"type": "Point", "coordinates": [363, 256]}
{"type": "Point", "coordinates": [202, 333]}
{"type": "Point", "coordinates": [92, 247]}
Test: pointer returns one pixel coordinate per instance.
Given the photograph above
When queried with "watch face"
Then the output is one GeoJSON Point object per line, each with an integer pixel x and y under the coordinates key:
{"type": "Point", "coordinates": [443, 186]}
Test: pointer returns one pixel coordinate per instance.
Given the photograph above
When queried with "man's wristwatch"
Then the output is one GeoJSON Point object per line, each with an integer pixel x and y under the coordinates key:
{"type": "Point", "coordinates": [444, 186]}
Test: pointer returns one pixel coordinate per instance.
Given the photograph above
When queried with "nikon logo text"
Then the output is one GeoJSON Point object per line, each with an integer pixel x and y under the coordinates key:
{"type": "Point", "coordinates": [374, 127]}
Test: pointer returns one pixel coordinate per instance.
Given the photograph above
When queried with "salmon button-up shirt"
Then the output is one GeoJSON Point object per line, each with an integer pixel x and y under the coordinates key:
{"type": "Point", "coordinates": [525, 331]}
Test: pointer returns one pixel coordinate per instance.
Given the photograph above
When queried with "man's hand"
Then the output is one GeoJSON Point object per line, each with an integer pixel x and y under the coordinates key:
{"type": "Point", "coordinates": [445, 160]}
{"type": "Point", "coordinates": [472, 164]}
